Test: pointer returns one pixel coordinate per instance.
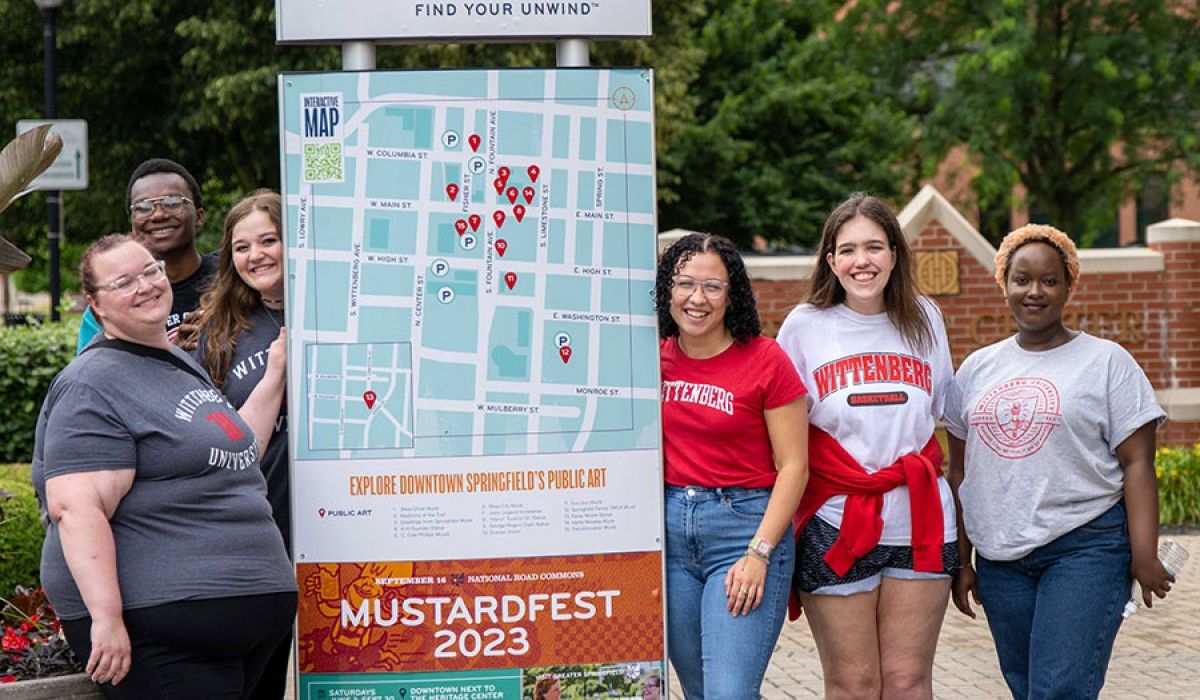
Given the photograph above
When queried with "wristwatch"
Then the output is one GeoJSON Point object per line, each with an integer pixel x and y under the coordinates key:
{"type": "Point", "coordinates": [761, 547]}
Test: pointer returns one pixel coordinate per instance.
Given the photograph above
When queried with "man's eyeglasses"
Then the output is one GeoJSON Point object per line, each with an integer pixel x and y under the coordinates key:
{"type": "Point", "coordinates": [713, 289]}
{"type": "Point", "coordinates": [128, 286]}
{"type": "Point", "coordinates": [171, 204]}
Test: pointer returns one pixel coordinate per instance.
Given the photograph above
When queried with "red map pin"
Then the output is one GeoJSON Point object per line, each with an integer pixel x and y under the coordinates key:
{"type": "Point", "coordinates": [501, 246]}
{"type": "Point", "coordinates": [369, 399]}
{"type": "Point", "coordinates": [460, 226]}
{"type": "Point", "coordinates": [528, 193]}
{"type": "Point", "coordinates": [474, 221]}
{"type": "Point", "coordinates": [498, 217]}
{"type": "Point", "coordinates": [533, 171]}
{"type": "Point", "coordinates": [452, 191]}
{"type": "Point", "coordinates": [504, 172]}
{"type": "Point", "coordinates": [499, 183]}
{"type": "Point", "coordinates": [321, 512]}
{"type": "Point", "coordinates": [565, 353]}
{"type": "Point", "coordinates": [510, 278]}
{"type": "Point", "coordinates": [519, 212]}
{"type": "Point", "coordinates": [512, 194]}
{"type": "Point", "coordinates": [474, 141]}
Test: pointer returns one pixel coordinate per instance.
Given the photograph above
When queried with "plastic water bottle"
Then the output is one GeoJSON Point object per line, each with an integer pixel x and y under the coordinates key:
{"type": "Point", "coordinates": [1173, 556]}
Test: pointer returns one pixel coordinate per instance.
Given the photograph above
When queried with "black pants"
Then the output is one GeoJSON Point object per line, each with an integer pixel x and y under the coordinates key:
{"type": "Point", "coordinates": [218, 648]}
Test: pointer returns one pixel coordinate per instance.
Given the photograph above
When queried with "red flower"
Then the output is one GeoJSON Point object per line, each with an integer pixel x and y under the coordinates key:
{"type": "Point", "coordinates": [8, 679]}
{"type": "Point", "coordinates": [13, 641]}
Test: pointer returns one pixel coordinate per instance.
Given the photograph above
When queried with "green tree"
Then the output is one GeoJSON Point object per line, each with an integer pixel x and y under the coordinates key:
{"type": "Point", "coordinates": [1077, 101]}
{"type": "Point", "coordinates": [783, 130]}
{"type": "Point", "coordinates": [196, 82]}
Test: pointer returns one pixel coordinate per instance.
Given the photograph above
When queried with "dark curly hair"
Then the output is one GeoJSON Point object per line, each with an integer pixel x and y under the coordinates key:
{"type": "Point", "coordinates": [741, 316]}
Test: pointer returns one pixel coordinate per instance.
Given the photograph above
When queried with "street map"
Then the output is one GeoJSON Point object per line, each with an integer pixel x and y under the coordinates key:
{"type": "Point", "coordinates": [471, 262]}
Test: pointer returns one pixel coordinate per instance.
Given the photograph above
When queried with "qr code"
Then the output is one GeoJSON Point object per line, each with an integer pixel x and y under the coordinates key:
{"type": "Point", "coordinates": [323, 162]}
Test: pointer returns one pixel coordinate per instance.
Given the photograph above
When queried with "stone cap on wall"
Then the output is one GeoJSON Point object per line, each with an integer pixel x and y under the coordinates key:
{"type": "Point", "coordinates": [929, 206]}
{"type": "Point", "coordinates": [1173, 231]}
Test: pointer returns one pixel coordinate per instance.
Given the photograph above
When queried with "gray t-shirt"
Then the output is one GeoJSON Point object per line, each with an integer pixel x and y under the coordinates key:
{"type": "Point", "coordinates": [195, 524]}
{"type": "Point", "coordinates": [246, 371]}
{"type": "Point", "coordinates": [1041, 432]}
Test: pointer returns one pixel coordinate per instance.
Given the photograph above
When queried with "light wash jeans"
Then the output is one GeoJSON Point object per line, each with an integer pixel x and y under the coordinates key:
{"type": "Point", "coordinates": [1055, 612]}
{"type": "Point", "coordinates": [717, 655]}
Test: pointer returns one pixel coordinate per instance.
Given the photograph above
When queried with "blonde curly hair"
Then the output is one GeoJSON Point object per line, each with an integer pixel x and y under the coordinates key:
{"type": "Point", "coordinates": [1038, 233]}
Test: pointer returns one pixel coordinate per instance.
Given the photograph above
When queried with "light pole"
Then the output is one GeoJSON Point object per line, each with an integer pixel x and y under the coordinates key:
{"type": "Point", "coordinates": [49, 9]}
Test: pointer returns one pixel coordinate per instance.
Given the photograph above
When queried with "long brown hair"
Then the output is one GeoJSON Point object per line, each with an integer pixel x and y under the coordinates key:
{"type": "Point", "coordinates": [226, 307]}
{"type": "Point", "coordinates": [901, 299]}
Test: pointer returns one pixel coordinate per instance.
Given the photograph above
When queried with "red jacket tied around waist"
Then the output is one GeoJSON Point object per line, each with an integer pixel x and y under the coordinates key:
{"type": "Point", "coordinates": [833, 472]}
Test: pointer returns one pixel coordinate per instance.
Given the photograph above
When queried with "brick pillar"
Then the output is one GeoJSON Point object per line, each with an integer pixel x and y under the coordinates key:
{"type": "Point", "coordinates": [1179, 242]}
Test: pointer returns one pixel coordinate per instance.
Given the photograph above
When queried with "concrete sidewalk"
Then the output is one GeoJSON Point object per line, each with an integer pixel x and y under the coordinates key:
{"type": "Point", "coordinates": [1157, 654]}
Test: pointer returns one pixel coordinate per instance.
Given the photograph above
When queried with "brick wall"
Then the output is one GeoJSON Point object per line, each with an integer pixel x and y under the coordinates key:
{"type": "Point", "coordinates": [1148, 300]}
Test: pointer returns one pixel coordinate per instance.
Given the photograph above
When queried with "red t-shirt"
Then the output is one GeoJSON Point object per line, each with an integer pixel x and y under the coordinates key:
{"type": "Point", "coordinates": [714, 431]}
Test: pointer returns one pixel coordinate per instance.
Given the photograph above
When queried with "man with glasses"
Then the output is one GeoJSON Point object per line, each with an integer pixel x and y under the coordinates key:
{"type": "Point", "coordinates": [166, 208]}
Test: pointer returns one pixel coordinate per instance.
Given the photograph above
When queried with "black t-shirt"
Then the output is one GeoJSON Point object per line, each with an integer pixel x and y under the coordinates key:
{"type": "Point", "coordinates": [187, 292]}
{"type": "Point", "coordinates": [246, 371]}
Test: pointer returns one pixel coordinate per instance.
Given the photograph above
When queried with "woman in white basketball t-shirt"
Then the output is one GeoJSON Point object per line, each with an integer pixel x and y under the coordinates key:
{"type": "Point", "coordinates": [876, 526]}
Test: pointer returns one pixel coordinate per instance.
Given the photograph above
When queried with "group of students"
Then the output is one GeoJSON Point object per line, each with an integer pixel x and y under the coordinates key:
{"type": "Point", "coordinates": [161, 454]}
{"type": "Point", "coordinates": [817, 478]}
{"type": "Point", "coordinates": [803, 470]}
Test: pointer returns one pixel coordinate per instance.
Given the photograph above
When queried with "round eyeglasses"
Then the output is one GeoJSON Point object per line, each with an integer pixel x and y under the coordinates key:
{"type": "Point", "coordinates": [128, 286]}
{"type": "Point", "coordinates": [710, 288]}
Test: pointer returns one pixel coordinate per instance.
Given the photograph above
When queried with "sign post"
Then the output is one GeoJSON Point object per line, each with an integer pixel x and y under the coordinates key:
{"type": "Point", "coordinates": [473, 377]}
{"type": "Point", "coordinates": [473, 382]}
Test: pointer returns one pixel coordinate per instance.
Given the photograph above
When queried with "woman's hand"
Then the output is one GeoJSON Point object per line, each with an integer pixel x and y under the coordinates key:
{"type": "Point", "coordinates": [962, 586]}
{"type": "Point", "coordinates": [1152, 576]}
{"type": "Point", "coordinates": [277, 357]}
{"type": "Point", "coordinates": [111, 651]}
{"type": "Point", "coordinates": [744, 585]}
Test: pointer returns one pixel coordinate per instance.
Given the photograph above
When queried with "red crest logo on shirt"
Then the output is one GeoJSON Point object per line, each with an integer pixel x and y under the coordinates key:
{"type": "Point", "coordinates": [232, 431]}
{"type": "Point", "coordinates": [1016, 418]}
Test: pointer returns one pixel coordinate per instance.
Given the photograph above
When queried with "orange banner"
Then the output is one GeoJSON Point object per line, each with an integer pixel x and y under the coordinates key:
{"type": "Point", "coordinates": [484, 613]}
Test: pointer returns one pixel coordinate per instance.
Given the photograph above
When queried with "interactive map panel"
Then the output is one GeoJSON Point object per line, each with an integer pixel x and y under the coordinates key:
{"type": "Point", "coordinates": [473, 375]}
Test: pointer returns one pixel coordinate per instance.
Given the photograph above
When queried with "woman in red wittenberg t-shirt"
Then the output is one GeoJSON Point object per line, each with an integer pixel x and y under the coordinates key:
{"type": "Point", "coordinates": [735, 460]}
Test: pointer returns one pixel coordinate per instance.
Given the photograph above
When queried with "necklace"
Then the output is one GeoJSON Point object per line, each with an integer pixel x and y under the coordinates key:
{"type": "Point", "coordinates": [275, 304]}
{"type": "Point", "coordinates": [271, 315]}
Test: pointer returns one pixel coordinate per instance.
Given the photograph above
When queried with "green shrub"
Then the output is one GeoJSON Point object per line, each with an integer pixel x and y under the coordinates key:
{"type": "Point", "coordinates": [20, 530]}
{"type": "Point", "coordinates": [1178, 472]}
{"type": "Point", "coordinates": [29, 359]}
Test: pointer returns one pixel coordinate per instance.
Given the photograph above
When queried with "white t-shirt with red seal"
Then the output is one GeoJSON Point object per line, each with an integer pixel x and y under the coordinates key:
{"type": "Point", "coordinates": [875, 394]}
{"type": "Point", "coordinates": [714, 428]}
{"type": "Point", "coordinates": [1041, 432]}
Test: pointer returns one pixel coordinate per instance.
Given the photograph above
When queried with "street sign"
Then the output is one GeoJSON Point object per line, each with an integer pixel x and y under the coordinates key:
{"type": "Point", "coordinates": [69, 171]}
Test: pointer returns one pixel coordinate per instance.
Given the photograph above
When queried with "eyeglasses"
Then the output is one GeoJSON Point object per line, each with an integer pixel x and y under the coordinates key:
{"type": "Point", "coordinates": [128, 286]}
{"type": "Point", "coordinates": [712, 289]}
{"type": "Point", "coordinates": [171, 204]}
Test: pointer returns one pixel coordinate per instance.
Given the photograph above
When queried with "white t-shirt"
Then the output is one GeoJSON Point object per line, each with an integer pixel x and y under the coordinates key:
{"type": "Point", "coordinates": [1041, 430]}
{"type": "Point", "coordinates": [874, 394]}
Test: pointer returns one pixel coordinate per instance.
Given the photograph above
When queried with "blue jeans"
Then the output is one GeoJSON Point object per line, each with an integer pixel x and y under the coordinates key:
{"type": "Point", "coordinates": [1055, 612]}
{"type": "Point", "coordinates": [717, 655]}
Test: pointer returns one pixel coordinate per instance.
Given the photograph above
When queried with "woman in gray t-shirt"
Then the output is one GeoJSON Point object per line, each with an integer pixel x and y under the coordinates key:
{"type": "Point", "coordinates": [1052, 459]}
{"type": "Point", "coordinates": [161, 556]}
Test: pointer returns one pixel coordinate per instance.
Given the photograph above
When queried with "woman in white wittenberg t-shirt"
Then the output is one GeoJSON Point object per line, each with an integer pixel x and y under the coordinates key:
{"type": "Point", "coordinates": [876, 525]}
{"type": "Point", "coordinates": [1052, 457]}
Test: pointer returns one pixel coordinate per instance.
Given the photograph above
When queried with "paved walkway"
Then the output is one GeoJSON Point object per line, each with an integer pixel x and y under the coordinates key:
{"type": "Point", "coordinates": [1157, 654]}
